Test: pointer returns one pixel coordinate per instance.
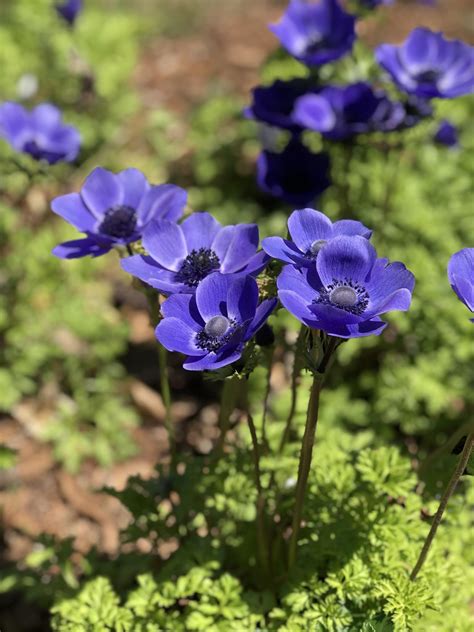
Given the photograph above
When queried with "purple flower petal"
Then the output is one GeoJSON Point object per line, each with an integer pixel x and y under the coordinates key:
{"type": "Point", "coordinates": [345, 258]}
{"type": "Point", "coordinates": [71, 208]}
{"type": "Point", "coordinates": [241, 247]}
{"type": "Point", "coordinates": [211, 295]}
{"type": "Point", "coordinates": [242, 299]}
{"type": "Point", "coordinates": [165, 242]}
{"type": "Point", "coordinates": [263, 311]}
{"type": "Point", "coordinates": [134, 185]}
{"type": "Point", "coordinates": [307, 226]}
{"type": "Point", "coordinates": [164, 201]}
{"type": "Point", "coordinates": [183, 306]}
{"type": "Point", "coordinates": [80, 248]}
{"type": "Point", "coordinates": [199, 230]}
{"type": "Point", "coordinates": [283, 250]}
{"type": "Point", "coordinates": [101, 191]}
{"type": "Point", "coordinates": [212, 361]}
{"type": "Point", "coordinates": [175, 335]}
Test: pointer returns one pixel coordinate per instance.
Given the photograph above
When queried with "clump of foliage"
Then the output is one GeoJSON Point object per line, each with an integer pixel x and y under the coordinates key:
{"type": "Point", "coordinates": [62, 339]}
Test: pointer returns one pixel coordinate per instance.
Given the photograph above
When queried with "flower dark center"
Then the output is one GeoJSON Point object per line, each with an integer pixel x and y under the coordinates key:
{"type": "Point", "coordinates": [216, 333]}
{"type": "Point", "coordinates": [119, 221]}
{"type": "Point", "coordinates": [316, 246]}
{"type": "Point", "coordinates": [346, 295]}
{"type": "Point", "coordinates": [428, 76]}
{"type": "Point", "coordinates": [197, 265]}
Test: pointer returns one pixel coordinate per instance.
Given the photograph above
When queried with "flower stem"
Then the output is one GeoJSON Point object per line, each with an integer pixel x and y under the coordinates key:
{"type": "Point", "coordinates": [294, 391]}
{"type": "Point", "coordinates": [306, 453]}
{"type": "Point", "coordinates": [262, 545]}
{"type": "Point", "coordinates": [166, 395]}
{"type": "Point", "coordinates": [153, 305]}
{"type": "Point", "coordinates": [448, 492]}
{"type": "Point", "coordinates": [228, 397]}
{"type": "Point", "coordinates": [304, 465]}
{"type": "Point", "coordinates": [268, 389]}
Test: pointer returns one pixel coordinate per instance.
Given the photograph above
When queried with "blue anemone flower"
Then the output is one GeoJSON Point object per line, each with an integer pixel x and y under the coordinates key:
{"type": "Point", "coordinates": [274, 104]}
{"type": "Point", "coordinates": [295, 175]}
{"type": "Point", "coordinates": [447, 134]}
{"type": "Point", "coordinates": [69, 10]}
{"type": "Point", "coordinates": [39, 132]}
{"type": "Point", "coordinates": [114, 209]}
{"type": "Point", "coordinates": [212, 326]}
{"type": "Point", "coordinates": [347, 289]}
{"type": "Point", "coordinates": [339, 112]}
{"type": "Point", "coordinates": [316, 32]}
{"type": "Point", "coordinates": [181, 256]}
{"type": "Point", "coordinates": [429, 65]}
{"type": "Point", "coordinates": [461, 276]}
{"type": "Point", "coordinates": [310, 231]}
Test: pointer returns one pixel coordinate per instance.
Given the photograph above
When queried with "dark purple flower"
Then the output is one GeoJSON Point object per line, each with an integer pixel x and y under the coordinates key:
{"type": "Point", "coordinates": [373, 4]}
{"type": "Point", "coordinates": [310, 231]}
{"type": "Point", "coordinates": [295, 175]}
{"type": "Point", "coordinates": [212, 326]}
{"type": "Point", "coordinates": [181, 256]}
{"type": "Point", "coordinates": [316, 32]}
{"type": "Point", "coordinates": [39, 132]}
{"type": "Point", "coordinates": [447, 134]}
{"type": "Point", "coordinates": [114, 209]}
{"type": "Point", "coordinates": [69, 10]}
{"type": "Point", "coordinates": [416, 109]}
{"type": "Point", "coordinates": [461, 276]}
{"type": "Point", "coordinates": [274, 104]}
{"type": "Point", "coordinates": [429, 65]}
{"type": "Point", "coordinates": [347, 289]}
{"type": "Point", "coordinates": [339, 112]}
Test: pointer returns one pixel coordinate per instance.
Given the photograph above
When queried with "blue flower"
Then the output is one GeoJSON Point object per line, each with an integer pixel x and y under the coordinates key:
{"type": "Point", "coordinates": [295, 175]}
{"type": "Point", "coordinates": [39, 132]}
{"type": "Point", "coordinates": [429, 65]}
{"type": "Point", "coordinates": [310, 231]}
{"type": "Point", "coordinates": [274, 104]}
{"type": "Point", "coordinates": [316, 32]}
{"type": "Point", "coordinates": [114, 209]}
{"type": "Point", "coordinates": [461, 276]}
{"type": "Point", "coordinates": [347, 289]}
{"type": "Point", "coordinates": [447, 134]}
{"type": "Point", "coordinates": [373, 4]}
{"type": "Point", "coordinates": [69, 10]}
{"type": "Point", "coordinates": [212, 326]}
{"type": "Point", "coordinates": [339, 112]}
{"type": "Point", "coordinates": [181, 256]}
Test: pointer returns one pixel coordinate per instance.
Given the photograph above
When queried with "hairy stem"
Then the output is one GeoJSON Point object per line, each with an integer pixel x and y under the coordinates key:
{"type": "Point", "coordinates": [304, 466]}
{"type": "Point", "coordinates": [268, 389]}
{"type": "Point", "coordinates": [294, 391]}
{"type": "Point", "coordinates": [306, 453]}
{"type": "Point", "coordinates": [228, 399]}
{"type": "Point", "coordinates": [262, 546]}
{"type": "Point", "coordinates": [448, 492]}
{"type": "Point", "coordinates": [166, 395]}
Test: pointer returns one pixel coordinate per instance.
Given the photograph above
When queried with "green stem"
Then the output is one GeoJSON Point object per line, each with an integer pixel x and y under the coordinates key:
{"type": "Point", "coordinates": [228, 399]}
{"type": "Point", "coordinates": [448, 492]}
{"type": "Point", "coordinates": [262, 546]}
{"type": "Point", "coordinates": [166, 395]}
{"type": "Point", "coordinates": [295, 377]}
{"type": "Point", "coordinates": [447, 446]}
{"type": "Point", "coordinates": [153, 304]}
{"type": "Point", "coordinates": [304, 465]}
{"type": "Point", "coordinates": [268, 389]}
{"type": "Point", "coordinates": [306, 453]}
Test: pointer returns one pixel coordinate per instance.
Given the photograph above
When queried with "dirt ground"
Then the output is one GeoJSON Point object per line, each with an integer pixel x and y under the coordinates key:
{"type": "Point", "coordinates": [38, 496]}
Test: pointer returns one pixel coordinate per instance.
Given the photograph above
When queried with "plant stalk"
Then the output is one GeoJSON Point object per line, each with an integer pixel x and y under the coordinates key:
{"type": "Point", "coordinates": [448, 492]}
{"type": "Point", "coordinates": [262, 545]}
{"type": "Point", "coordinates": [306, 453]}
{"type": "Point", "coordinates": [294, 391]}
{"type": "Point", "coordinates": [228, 398]}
